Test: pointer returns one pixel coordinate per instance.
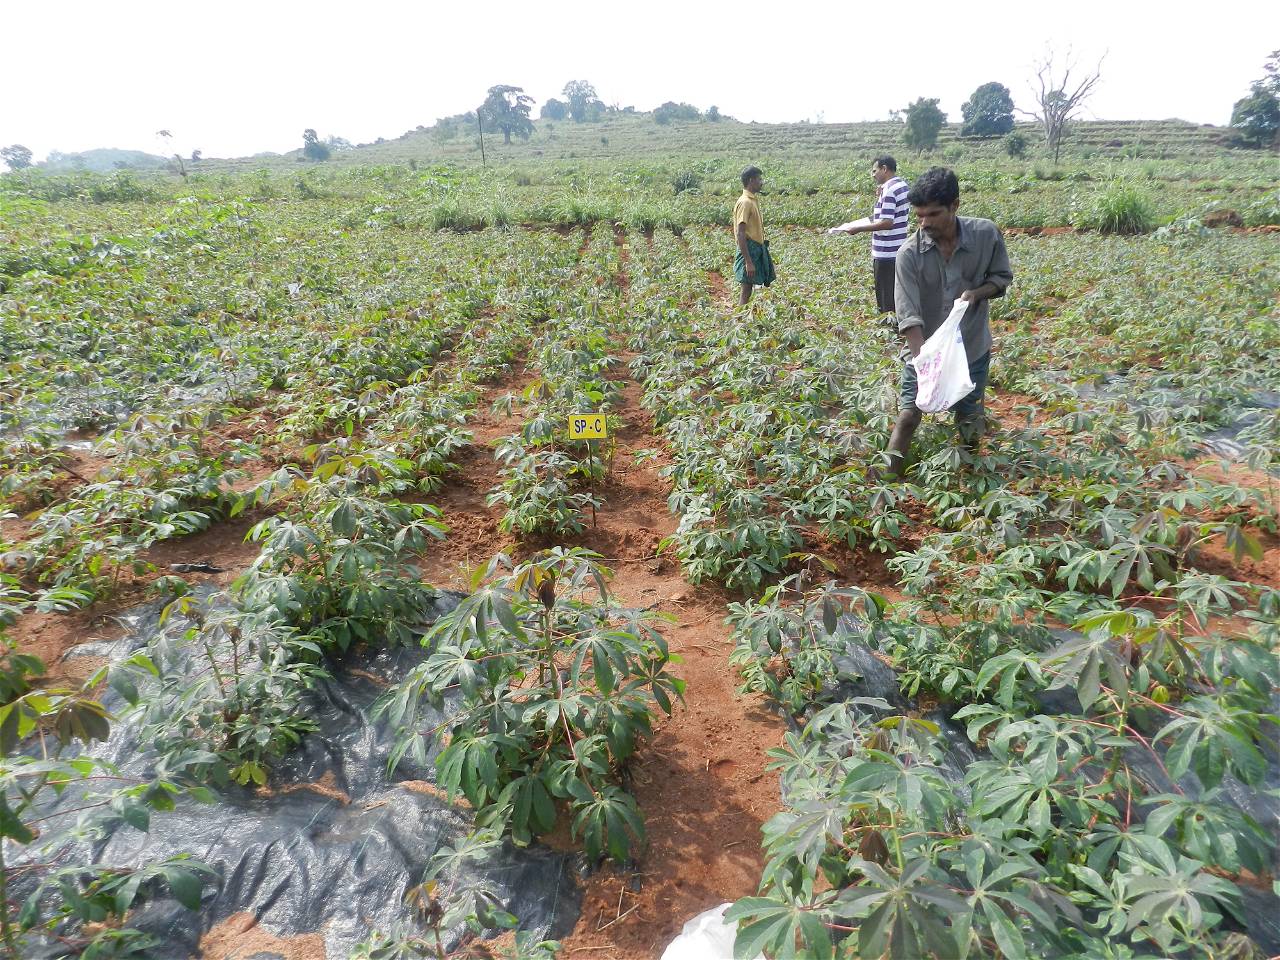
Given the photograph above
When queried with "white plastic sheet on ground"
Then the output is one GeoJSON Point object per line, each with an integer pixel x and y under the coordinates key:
{"type": "Point", "coordinates": [705, 937]}
{"type": "Point", "coordinates": [942, 368]}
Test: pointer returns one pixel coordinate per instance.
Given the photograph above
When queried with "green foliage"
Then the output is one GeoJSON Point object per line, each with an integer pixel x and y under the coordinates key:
{"type": "Point", "coordinates": [16, 156]}
{"type": "Point", "coordinates": [507, 109]}
{"type": "Point", "coordinates": [1256, 118]}
{"type": "Point", "coordinates": [988, 112]}
{"type": "Point", "coordinates": [1119, 208]}
{"type": "Point", "coordinates": [555, 684]}
{"type": "Point", "coordinates": [686, 180]}
{"type": "Point", "coordinates": [672, 111]}
{"type": "Point", "coordinates": [789, 652]}
{"type": "Point", "coordinates": [580, 96]}
{"type": "Point", "coordinates": [312, 147]}
{"type": "Point", "coordinates": [70, 899]}
{"type": "Point", "coordinates": [923, 121]}
{"type": "Point", "coordinates": [1015, 145]}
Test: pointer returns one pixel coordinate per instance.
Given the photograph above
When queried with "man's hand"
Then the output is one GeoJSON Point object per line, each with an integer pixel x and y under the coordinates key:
{"type": "Point", "coordinates": [915, 339]}
{"type": "Point", "coordinates": [984, 292]}
{"type": "Point", "coordinates": [751, 269]}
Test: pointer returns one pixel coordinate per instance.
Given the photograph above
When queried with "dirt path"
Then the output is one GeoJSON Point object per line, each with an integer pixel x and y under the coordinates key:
{"type": "Point", "coordinates": [700, 780]}
{"type": "Point", "coordinates": [721, 295]}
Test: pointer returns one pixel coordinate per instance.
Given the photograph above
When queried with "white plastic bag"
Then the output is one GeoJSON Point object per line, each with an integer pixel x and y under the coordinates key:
{"type": "Point", "coordinates": [942, 368]}
{"type": "Point", "coordinates": [705, 937]}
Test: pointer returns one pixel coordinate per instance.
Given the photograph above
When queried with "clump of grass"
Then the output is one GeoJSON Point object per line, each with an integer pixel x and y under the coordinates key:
{"type": "Point", "coordinates": [1120, 208]}
{"type": "Point", "coordinates": [580, 209]}
{"type": "Point", "coordinates": [454, 213]}
{"type": "Point", "coordinates": [646, 216]}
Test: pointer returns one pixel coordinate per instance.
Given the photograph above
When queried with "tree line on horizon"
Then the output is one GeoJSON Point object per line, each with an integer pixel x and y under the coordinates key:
{"type": "Point", "coordinates": [1060, 92]}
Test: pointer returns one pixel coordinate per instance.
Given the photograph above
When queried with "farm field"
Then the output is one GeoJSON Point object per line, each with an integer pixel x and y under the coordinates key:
{"type": "Point", "coordinates": [270, 434]}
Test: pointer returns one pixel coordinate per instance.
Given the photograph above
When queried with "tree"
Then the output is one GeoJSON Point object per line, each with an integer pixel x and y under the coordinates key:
{"type": "Point", "coordinates": [16, 156]}
{"type": "Point", "coordinates": [988, 112]}
{"type": "Point", "coordinates": [507, 109]}
{"type": "Point", "coordinates": [713, 113]}
{"type": "Point", "coordinates": [554, 109]}
{"type": "Point", "coordinates": [675, 111]}
{"type": "Point", "coordinates": [580, 95]}
{"type": "Point", "coordinates": [312, 148]}
{"type": "Point", "coordinates": [1271, 74]}
{"type": "Point", "coordinates": [1058, 99]}
{"type": "Point", "coordinates": [167, 137]}
{"type": "Point", "coordinates": [196, 156]}
{"type": "Point", "coordinates": [1256, 118]}
{"type": "Point", "coordinates": [924, 120]}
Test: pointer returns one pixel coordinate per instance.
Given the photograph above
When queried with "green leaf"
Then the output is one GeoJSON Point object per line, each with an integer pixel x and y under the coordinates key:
{"type": "Point", "coordinates": [185, 885]}
{"type": "Point", "coordinates": [11, 826]}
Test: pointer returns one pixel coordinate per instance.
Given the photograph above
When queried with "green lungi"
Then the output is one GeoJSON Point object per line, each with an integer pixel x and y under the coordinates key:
{"type": "Point", "coordinates": [761, 258]}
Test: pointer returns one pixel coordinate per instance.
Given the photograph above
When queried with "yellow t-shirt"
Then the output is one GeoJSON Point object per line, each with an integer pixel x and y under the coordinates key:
{"type": "Point", "coordinates": [747, 211]}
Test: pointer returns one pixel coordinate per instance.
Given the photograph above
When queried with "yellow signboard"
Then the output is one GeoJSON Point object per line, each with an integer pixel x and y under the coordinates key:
{"type": "Point", "coordinates": [588, 426]}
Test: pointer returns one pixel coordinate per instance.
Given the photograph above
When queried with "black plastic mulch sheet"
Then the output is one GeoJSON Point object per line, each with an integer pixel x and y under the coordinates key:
{"type": "Point", "coordinates": [334, 844]}
{"type": "Point", "coordinates": [1261, 908]}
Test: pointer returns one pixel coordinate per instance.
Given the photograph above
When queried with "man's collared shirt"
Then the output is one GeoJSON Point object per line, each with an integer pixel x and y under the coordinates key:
{"type": "Point", "coordinates": [927, 285]}
{"type": "Point", "coordinates": [747, 211]}
{"type": "Point", "coordinates": [891, 204]}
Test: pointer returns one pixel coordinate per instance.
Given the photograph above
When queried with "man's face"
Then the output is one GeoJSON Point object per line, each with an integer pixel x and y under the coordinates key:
{"type": "Point", "coordinates": [937, 220]}
{"type": "Point", "coordinates": [755, 183]}
{"type": "Point", "coordinates": [880, 174]}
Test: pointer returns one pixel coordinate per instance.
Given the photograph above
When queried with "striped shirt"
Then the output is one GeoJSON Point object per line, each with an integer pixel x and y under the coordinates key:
{"type": "Point", "coordinates": [891, 204]}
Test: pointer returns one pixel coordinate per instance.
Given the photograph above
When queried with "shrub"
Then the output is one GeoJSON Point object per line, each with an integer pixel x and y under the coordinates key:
{"type": "Point", "coordinates": [1015, 144]}
{"type": "Point", "coordinates": [686, 180]}
{"type": "Point", "coordinates": [1120, 208]}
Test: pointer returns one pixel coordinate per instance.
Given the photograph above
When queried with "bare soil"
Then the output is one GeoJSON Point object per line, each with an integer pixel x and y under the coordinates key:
{"type": "Point", "coordinates": [50, 635]}
{"type": "Point", "coordinates": [239, 937]}
{"type": "Point", "coordinates": [701, 779]}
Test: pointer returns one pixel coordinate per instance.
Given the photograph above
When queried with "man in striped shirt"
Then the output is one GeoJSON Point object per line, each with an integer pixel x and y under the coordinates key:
{"type": "Point", "coordinates": [888, 227]}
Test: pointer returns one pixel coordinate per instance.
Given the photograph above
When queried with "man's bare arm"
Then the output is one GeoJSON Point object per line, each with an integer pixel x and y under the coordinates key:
{"type": "Point", "coordinates": [746, 254]}
{"type": "Point", "coordinates": [984, 292]}
{"type": "Point", "coordinates": [915, 339]}
{"type": "Point", "coordinates": [870, 227]}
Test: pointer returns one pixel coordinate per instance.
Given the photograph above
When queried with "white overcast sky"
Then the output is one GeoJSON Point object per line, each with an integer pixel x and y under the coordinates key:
{"type": "Point", "coordinates": [235, 77]}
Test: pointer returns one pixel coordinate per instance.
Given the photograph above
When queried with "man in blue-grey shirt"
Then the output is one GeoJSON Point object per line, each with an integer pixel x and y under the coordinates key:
{"type": "Point", "coordinates": [948, 258]}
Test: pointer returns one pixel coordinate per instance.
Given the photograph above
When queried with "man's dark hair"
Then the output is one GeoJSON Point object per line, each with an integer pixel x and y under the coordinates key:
{"type": "Point", "coordinates": [887, 162]}
{"type": "Point", "coordinates": [750, 172]}
{"type": "Point", "coordinates": [937, 185]}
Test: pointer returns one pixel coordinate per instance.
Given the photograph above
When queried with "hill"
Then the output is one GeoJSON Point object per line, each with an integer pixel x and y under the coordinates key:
{"type": "Point", "coordinates": [102, 160]}
{"type": "Point", "coordinates": [631, 136]}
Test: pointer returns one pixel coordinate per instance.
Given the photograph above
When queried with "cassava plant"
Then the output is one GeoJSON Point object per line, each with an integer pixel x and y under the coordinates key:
{"type": "Point", "coordinates": [540, 686]}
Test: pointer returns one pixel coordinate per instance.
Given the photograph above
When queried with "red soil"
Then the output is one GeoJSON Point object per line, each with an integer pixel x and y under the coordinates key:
{"type": "Point", "coordinates": [700, 780]}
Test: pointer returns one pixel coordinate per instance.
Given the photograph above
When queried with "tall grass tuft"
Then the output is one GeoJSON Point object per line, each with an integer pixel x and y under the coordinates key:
{"type": "Point", "coordinates": [1120, 208]}
{"type": "Point", "coordinates": [454, 213]}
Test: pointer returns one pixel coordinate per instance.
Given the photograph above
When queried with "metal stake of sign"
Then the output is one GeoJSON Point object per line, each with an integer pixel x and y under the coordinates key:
{"type": "Point", "coordinates": [591, 480]}
{"type": "Point", "coordinates": [589, 427]}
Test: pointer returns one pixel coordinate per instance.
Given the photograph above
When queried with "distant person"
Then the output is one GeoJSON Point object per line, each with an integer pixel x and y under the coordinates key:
{"type": "Point", "coordinates": [888, 228]}
{"type": "Point", "coordinates": [753, 266]}
{"type": "Point", "coordinates": [948, 258]}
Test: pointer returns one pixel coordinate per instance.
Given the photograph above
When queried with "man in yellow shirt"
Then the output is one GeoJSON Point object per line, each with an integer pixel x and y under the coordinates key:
{"type": "Point", "coordinates": [753, 266]}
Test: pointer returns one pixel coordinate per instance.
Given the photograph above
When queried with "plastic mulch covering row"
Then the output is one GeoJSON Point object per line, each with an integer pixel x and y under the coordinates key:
{"type": "Point", "coordinates": [333, 843]}
{"type": "Point", "coordinates": [1261, 908]}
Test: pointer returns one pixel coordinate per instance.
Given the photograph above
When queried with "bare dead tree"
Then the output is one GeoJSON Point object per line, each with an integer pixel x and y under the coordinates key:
{"type": "Point", "coordinates": [1059, 97]}
{"type": "Point", "coordinates": [176, 161]}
